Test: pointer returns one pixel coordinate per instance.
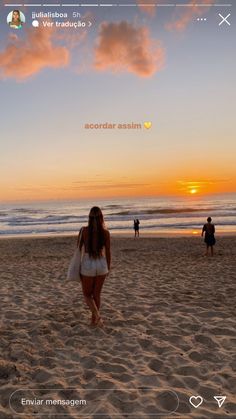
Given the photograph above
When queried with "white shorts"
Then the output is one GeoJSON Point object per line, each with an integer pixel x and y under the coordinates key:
{"type": "Point", "coordinates": [93, 267]}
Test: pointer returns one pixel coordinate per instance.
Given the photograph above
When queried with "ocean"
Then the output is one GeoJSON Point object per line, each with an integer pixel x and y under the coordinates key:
{"type": "Point", "coordinates": [162, 215]}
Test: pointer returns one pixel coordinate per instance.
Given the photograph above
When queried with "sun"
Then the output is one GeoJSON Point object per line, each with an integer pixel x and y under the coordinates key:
{"type": "Point", "coordinates": [193, 191]}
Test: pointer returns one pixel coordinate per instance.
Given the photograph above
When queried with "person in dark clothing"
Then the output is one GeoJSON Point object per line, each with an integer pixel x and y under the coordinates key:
{"type": "Point", "coordinates": [136, 227]}
{"type": "Point", "coordinates": [209, 230]}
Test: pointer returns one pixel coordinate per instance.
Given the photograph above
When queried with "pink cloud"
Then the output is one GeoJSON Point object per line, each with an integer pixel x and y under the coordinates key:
{"type": "Point", "coordinates": [24, 58]}
{"type": "Point", "coordinates": [188, 13]}
{"type": "Point", "coordinates": [144, 6]}
{"type": "Point", "coordinates": [125, 47]}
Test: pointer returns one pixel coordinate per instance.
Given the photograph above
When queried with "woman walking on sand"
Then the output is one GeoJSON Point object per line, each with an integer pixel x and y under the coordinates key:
{"type": "Point", "coordinates": [95, 263]}
{"type": "Point", "coordinates": [209, 230]}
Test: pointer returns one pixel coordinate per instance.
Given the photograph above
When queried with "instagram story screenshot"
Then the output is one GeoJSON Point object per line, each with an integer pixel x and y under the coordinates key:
{"type": "Point", "coordinates": [117, 209]}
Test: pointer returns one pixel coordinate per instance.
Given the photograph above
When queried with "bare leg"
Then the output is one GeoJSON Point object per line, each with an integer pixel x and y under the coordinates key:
{"type": "Point", "coordinates": [88, 289]}
{"type": "Point", "coordinates": [97, 289]}
{"type": "Point", "coordinates": [99, 281]}
{"type": "Point", "coordinates": [212, 251]}
{"type": "Point", "coordinates": [207, 247]}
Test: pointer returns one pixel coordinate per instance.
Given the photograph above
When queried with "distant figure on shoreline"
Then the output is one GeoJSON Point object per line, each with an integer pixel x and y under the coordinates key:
{"type": "Point", "coordinates": [136, 227]}
{"type": "Point", "coordinates": [95, 263]}
{"type": "Point", "coordinates": [209, 230]}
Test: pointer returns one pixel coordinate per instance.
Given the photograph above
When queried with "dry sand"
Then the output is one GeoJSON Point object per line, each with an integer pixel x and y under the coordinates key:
{"type": "Point", "coordinates": [169, 324]}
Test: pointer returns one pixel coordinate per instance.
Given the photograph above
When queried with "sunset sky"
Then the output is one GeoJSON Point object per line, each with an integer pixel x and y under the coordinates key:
{"type": "Point", "coordinates": [134, 64]}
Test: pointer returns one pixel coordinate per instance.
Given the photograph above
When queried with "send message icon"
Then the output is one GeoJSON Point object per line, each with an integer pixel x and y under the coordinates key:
{"type": "Point", "coordinates": [220, 400]}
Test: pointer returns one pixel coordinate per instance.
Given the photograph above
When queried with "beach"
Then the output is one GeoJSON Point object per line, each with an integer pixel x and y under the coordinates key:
{"type": "Point", "coordinates": [169, 315]}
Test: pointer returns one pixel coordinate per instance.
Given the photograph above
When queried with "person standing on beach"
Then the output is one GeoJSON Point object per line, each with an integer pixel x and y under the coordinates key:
{"type": "Point", "coordinates": [209, 230]}
{"type": "Point", "coordinates": [136, 227]}
{"type": "Point", "coordinates": [95, 263]}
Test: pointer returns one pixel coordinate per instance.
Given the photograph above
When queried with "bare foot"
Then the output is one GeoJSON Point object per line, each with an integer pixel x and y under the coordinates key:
{"type": "Point", "coordinates": [99, 322]}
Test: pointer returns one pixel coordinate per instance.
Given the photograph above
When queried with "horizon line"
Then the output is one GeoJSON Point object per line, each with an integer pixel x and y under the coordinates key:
{"type": "Point", "coordinates": [110, 198]}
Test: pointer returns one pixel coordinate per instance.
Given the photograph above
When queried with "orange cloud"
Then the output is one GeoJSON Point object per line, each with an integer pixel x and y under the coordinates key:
{"type": "Point", "coordinates": [188, 13]}
{"type": "Point", "coordinates": [125, 47]}
{"type": "Point", "coordinates": [24, 58]}
{"type": "Point", "coordinates": [147, 6]}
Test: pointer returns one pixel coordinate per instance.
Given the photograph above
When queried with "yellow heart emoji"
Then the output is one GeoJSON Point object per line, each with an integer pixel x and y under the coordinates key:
{"type": "Point", "coordinates": [147, 125]}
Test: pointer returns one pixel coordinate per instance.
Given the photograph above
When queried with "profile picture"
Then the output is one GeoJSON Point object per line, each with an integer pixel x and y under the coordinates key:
{"type": "Point", "coordinates": [15, 19]}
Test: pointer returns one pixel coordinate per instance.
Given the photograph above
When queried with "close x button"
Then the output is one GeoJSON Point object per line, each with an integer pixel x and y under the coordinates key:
{"type": "Point", "coordinates": [224, 19]}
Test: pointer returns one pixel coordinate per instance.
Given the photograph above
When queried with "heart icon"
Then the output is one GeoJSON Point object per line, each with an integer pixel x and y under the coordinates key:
{"type": "Point", "coordinates": [147, 125]}
{"type": "Point", "coordinates": [196, 401]}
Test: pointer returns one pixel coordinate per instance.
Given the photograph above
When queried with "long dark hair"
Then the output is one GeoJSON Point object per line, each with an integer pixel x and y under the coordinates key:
{"type": "Point", "coordinates": [18, 13]}
{"type": "Point", "coordinates": [96, 232]}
